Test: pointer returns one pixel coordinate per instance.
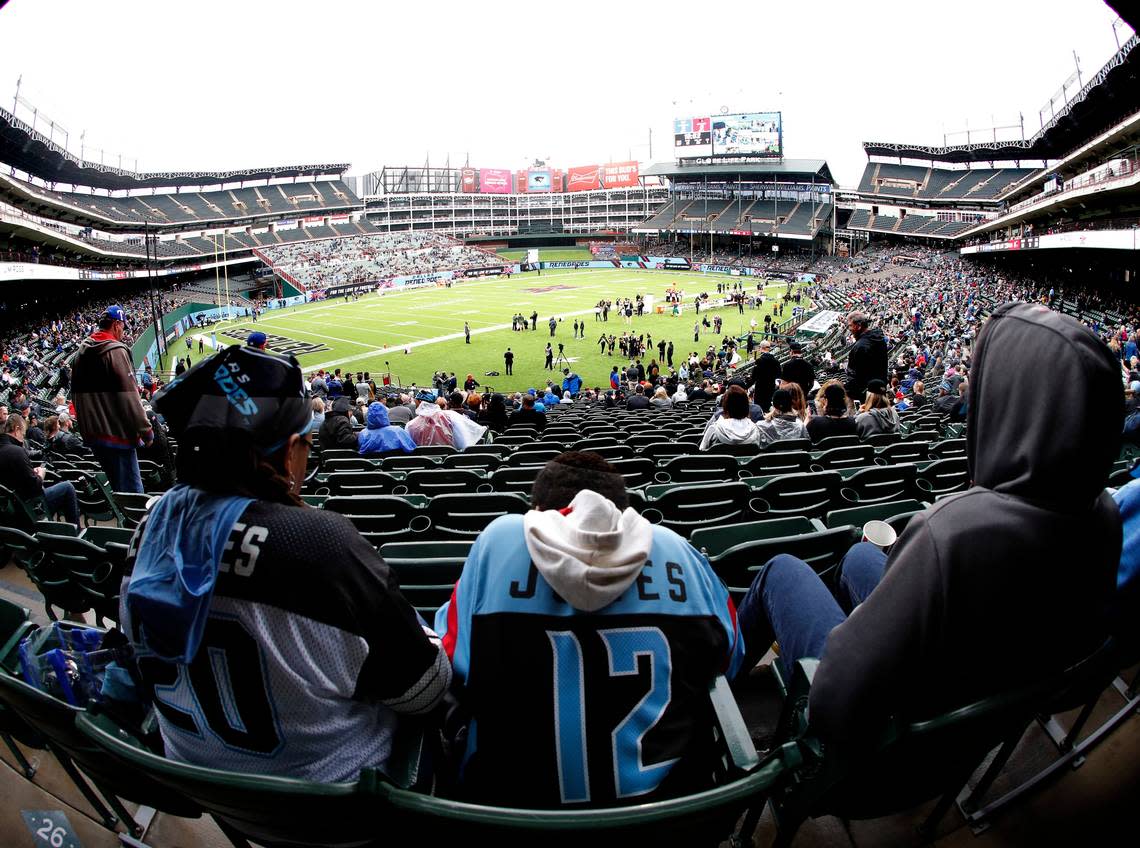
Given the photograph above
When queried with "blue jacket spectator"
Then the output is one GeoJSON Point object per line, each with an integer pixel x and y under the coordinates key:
{"type": "Point", "coordinates": [572, 383]}
{"type": "Point", "coordinates": [380, 436]}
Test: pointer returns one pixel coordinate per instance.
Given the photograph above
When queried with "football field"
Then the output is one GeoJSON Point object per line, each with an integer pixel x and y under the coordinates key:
{"type": "Point", "coordinates": [371, 334]}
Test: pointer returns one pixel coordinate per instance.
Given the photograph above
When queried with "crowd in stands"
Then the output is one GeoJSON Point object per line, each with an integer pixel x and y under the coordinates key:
{"type": "Point", "coordinates": [919, 630]}
{"type": "Point", "coordinates": [371, 259]}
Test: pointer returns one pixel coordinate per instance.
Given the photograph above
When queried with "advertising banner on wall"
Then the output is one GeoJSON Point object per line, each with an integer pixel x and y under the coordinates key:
{"type": "Point", "coordinates": [494, 181]}
{"type": "Point", "coordinates": [520, 182]}
{"type": "Point", "coordinates": [584, 178]}
{"type": "Point", "coordinates": [467, 180]}
{"type": "Point", "coordinates": [619, 174]}
{"type": "Point", "coordinates": [538, 180]}
{"type": "Point", "coordinates": [556, 177]}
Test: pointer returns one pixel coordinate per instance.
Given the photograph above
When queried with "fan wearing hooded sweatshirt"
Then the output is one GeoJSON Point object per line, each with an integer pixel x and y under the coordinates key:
{"type": "Point", "coordinates": [584, 640]}
{"type": "Point", "coordinates": [734, 427]}
{"type": "Point", "coordinates": [380, 436]}
{"type": "Point", "coordinates": [1006, 582]}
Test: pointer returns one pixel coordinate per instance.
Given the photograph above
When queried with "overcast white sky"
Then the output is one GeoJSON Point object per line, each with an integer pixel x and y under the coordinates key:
{"type": "Point", "coordinates": [217, 85]}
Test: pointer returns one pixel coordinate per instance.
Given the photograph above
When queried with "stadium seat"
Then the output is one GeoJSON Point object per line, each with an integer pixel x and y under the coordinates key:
{"type": "Point", "coordinates": [789, 445]}
{"type": "Point", "coordinates": [484, 462]}
{"type": "Point", "coordinates": [15, 623]}
{"type": "Point", "coordinates": [779, 462]}
{"type": "Point", "coordinates": [686, 508]}
{"type": "Point", "coordinates": [912, 761]}
{"type": "Point", "coordinates": [698, 468]}
{"type": "Point", "coordinates": [877, 483]}
{"type": "Point", "coordinates": [408, 462]}
{"type": "Point", "coordinates": [96, 501]}
{"type": "Point", "coordinates": [133, 506]}
{"type": "Point", "coordinates": [493, 449]}
{"type": "Point", "coordinates": [22, 548]}
{"type": "Point", "coordinates": [860, 515]}
{"type": "Point", "coordinates": [507, 478]}
{"type": "Point", "coordinates": [361, 483]}
{"type": "Point", "coordinates": [441, 481]}
{"type": "Point", "coordinates": [54, 720]}
{"type": "Point", "coordinates": [916, 451]}
{"type": "Point", "coordinates": [839, 458]}
{"type": "Point", "coordinates": [637, 471]}
{"type": "Point", "coordinates": [16, 512]}
{"type": "Point", "coordinates": [79, 563]}
{"type": "Point", "coordinates": [734, 450]}
{"type": "Point", "coordinates": [593, 444]}
{"type": "Point", "coordinates": [439, 451]}
{"type": "Point", "coordinates": [881, 440]}
{"type": "Point", "coordinates": [465, 516]}
{"type": "Point", "coordinates": [943, 477]}
{"type": "Point", "coordinates": [821, 549]}
{"type": "Point", "coordinates": [380, 518]}
{"type": "Point", "coordinates": [713, 541]}
{"type": "Point", "coordinates": [427, 571]}
{"type": "Point", "coordinates": [948, 448]}
{"type": "Point", "coordinates": [660, 451]}
{"type": "Point", "coordinates": [349, 463]}
{"type": "Point", "coordinates": [809, 494]}
{"type": "Point", "coordinates": [532, 457]}
{"type": "Point", "coordinates": [379, 808]}
{"type": "Point", "coordinates": [836, 442]}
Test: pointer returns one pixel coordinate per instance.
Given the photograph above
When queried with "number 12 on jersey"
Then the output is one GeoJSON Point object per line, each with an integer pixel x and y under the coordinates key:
{"type": "Point", "coordinates": [623, 647]}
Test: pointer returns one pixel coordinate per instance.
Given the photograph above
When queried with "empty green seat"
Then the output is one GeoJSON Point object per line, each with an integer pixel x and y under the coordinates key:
{"type": "Point", "coordinates": [780, 462]}
{"type": "Point", "coordinates": [532, 457]}
{"type": "Point", "coordinates": [839, 458]}
{"type": "Point", "coordinates": [909, 451]}
{"type": "Point", "coordinates": [380, 518]}
{"type": "Point", "coordinates": [686, 508]}
{"type": "Point", "coordinates": [943, 477]}
{"type": "Point", "coordinates": [809, 494]}
{"type": "Point", "coordinates": [836, 442]}
{"type": "Point", "coordinates": [442, 481]}
{"type": "Point", "coordinates": [885, 511]}
{"type": "Point", "coordinates": [879, 483]}
{"type": "Point", "coordinates": [427, 571]}
{"type": "Point", "coordinates": [510, 479]}
{"type": "Point", "coordinates": [635, 470]}
{"type": "Point", "coordinates": [698, 468]}
{"type": "Point", "coordinates": [408, 462]}
{"type": "Point", "coordinates": [820, 549]}
{"type": "Point", "coordinates": [349, 463]}
{"type": "Point", "coordinates": [712, 541]}
{"type": "Point", "coordinates": [361, 483]}
{"type": "Point", "coordinates": [948, 448]}
{"type": "Point", "coordinates": [485, 462]}
{"type": "Point", "coordinates": [465, 516]}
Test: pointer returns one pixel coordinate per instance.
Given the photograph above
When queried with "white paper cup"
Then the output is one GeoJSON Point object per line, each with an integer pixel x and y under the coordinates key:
{"type": "Point", "coordinates": [880, 534]}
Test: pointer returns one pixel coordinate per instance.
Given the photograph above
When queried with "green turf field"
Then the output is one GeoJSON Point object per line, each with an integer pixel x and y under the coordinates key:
{"type": "Point", "coordinates": [549, 254]}
{"type": "Point", "coordinates": [362, 335]}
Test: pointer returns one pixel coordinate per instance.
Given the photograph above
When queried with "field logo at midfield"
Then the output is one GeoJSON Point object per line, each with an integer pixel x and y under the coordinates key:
{"type": "Point", "coordinates": [545, 289]}
{"type": "Point", "coordinates": [280, 344]}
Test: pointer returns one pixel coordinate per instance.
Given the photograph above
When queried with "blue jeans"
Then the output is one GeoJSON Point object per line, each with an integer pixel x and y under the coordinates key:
{"type": "Point", "coordinates": [122, 467]}
{"type": "Point", "coordinates": [61, 498]}
{"type": "Point", "coordinates": [788, 603]}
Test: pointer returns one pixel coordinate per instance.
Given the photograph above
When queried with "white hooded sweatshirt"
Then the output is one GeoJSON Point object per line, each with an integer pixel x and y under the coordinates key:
{"type": "Point", "coordinates": [590, 552]}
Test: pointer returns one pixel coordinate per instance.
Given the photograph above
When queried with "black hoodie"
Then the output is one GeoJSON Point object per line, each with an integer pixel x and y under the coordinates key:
{"type": "Point", "coordinates": [1007, 581]}
{"type": "Point", "coordinates": [867, 361]}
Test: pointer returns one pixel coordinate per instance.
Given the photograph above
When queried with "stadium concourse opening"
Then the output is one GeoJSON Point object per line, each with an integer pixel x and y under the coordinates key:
{"type": "Point", "coordinates": [536, 505]}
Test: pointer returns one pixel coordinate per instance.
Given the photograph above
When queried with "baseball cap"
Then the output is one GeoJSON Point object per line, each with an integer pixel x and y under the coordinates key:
{"type": "Point", "coordinates": [115, 313]}
{"type": "Point", "coordinates": [256, 339]}
{"type": "Point", "coordinates": [239, 388]}
{"type": "Point", "coordinates": [795, 346]}
{"type": "Point", "coordinates": [876, 386]}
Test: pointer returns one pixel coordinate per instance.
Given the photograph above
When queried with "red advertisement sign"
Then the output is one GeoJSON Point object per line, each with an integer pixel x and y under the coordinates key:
{"type": "Point", "coordinates": [467, 180]}
{"type": "Point", "coordinates": [556, 177]}
{"type": "Point", "coordinates": [584, 178]}
{"type": "Point", "coordinates": [619, 174]}
{"type": "Point", "coordinates": [494, 181]}
{"type": "Point", "coordinates": [521, 178]}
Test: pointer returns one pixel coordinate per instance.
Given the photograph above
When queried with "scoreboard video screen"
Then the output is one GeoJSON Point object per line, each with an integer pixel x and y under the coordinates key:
{"type": "Point", "coordinates": [737, 134]}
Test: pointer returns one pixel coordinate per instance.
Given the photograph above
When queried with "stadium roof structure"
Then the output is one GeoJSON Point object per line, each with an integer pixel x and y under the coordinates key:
{"type": "Point", "coordinates": [27, 150]}
{"type": "Point", "coordinates": [797, 168]}
{"type": "Point", "coordinates": [1110, 95]}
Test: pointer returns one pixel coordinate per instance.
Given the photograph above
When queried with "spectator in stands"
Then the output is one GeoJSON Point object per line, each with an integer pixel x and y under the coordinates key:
{"type": "Point", "coordinates": [877, 414]}
{"type": "Point", "coordinates": [35, 435]}
{"type": "Point", "coordinates": [256, 339]}
{"type": "Point", "coordinates": [799, 401]}
{"type": "Point", "coordinates": [734, 426]}
{"type": "Point", "coordinates": [60, 442]}
{"type": "Point", "coordinates": [363, 390]}
{"type": "Point", "coordinates": [318, 415]}
{"type": "Point", "coordinates": [867, 359]}
{"type": "Point", "coordinates": [26, 482]}
{"type": "Point", "coordinates": [337, 431]}
{"type": "Point", "coordinates": [470, 384]}
{"type": "Point", "coordinates": [494, 417]}
{"type": "Point", "coordinates": [764, 376]}
{"type": "Point", "coordinates": [107, 402]}
{"type": "Point", "coordinates": [400, 409]}
{"type": "Point", "coordinates": [782, 422]}
{"type": "Point", "coordinates": [382, 437]}
{"type": "Point", "coordinates": [159, 451]}
{"type": "Point", "coordinates": [661, 399]}
{"type": "Point", "coordinates": [527, 415]}
{"type": "Point", "coordinates": [638, 400]}
{"type": "Point", "coordinates": [947, 398]}
{"type": "Point", "coordinates": [797, 369]}
{"type": "Point", "coordinates": [430, 426]}
{"type": "Point", "coordinates": [681, 395]}
{"type": "Point", "coordinates": [566, 399]}
{"type": "Point", "coordinates": [318, 386]}
{"type": "Point", "coordinates": [832, 418]}
{"type": "Point", "coordinates": [918, 397]}
{"type": "Point", "coordinates": [622, 587]}
{"type": "Point", "coordinates": [328, 662]}
{"type": "Point", "coordinates": [973, 580]}
{"type": "Point", "coordinates": [571, 382]}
